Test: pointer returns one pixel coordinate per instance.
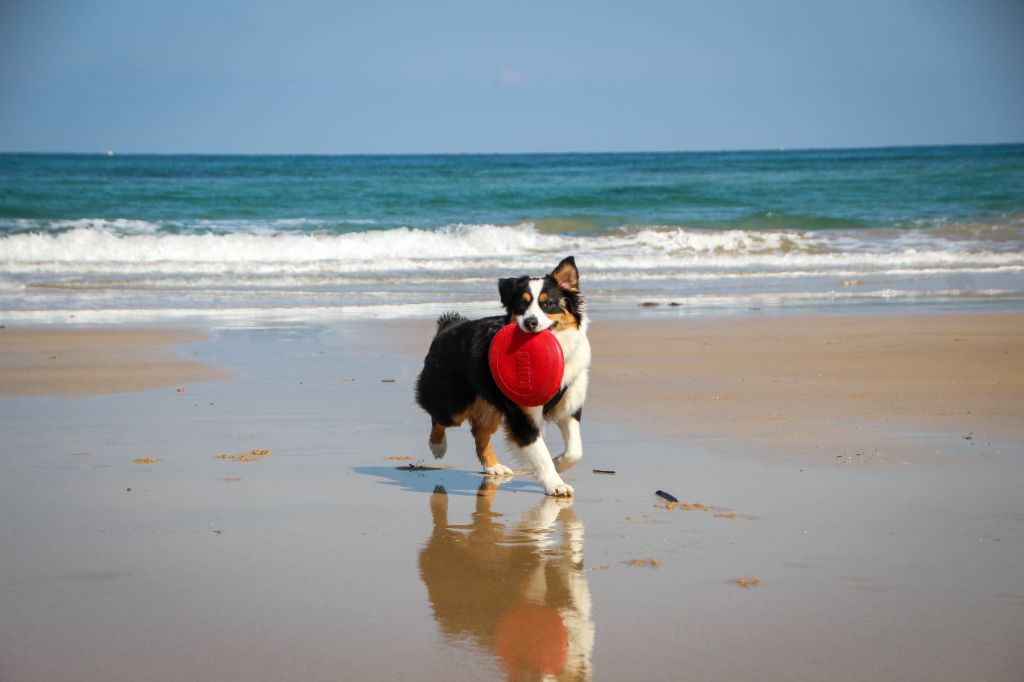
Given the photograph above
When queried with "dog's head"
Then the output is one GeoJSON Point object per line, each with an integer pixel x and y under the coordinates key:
{"type": "Point", "coordinates": [550, 302]}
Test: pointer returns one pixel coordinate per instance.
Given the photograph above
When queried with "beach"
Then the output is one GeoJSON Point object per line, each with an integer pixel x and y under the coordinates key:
{"type": "Point", "coordinates": [212, 465]}
{"type": "Point", "coordinates": [225, 501]}
{"type": "Point", "coordinates": [789, 237]}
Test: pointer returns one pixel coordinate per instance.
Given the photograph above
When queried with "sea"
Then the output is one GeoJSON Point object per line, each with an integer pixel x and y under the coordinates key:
{"type": "Point", "coordinates": [262, 239]}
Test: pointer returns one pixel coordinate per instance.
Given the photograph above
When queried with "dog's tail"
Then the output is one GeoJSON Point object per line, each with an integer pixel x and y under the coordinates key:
{"type": "Point", "coordinates": [449, 320]}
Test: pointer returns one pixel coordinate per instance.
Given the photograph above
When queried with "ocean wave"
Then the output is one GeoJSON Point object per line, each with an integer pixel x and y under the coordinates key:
{"type": "Point", "coordinates": [115, 226]}
{"type": "Point", "coordinates": [479, 248]}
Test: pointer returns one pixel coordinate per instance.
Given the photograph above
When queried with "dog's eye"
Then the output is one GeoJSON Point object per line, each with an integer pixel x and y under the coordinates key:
{"type": "Point", "coordinates": [549, 306]}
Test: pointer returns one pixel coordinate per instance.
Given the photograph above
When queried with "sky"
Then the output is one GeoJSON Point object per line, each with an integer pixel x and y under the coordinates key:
{"type": "Point", "coordinates": [408, 76]}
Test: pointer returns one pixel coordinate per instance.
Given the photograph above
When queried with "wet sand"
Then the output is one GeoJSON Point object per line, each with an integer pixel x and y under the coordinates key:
{"type": "Point", "coordinates": [321, 560]}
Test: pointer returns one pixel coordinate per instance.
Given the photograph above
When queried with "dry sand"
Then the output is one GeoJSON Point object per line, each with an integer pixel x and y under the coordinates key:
{"type": "Point", "coordinates": [77, 362]}
{"type": "Point", "coordinates": [131, 551]}
{"type": "Point", "coordinates": [816, 388]}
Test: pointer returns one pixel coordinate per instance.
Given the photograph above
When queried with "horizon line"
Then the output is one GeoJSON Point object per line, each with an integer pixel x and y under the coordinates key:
{"type": "Point", "coordinates": [779, 149]}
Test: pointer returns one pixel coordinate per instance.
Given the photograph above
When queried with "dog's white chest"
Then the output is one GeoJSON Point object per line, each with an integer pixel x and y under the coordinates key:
{"type": "Point", "coordinates": [576, 350]}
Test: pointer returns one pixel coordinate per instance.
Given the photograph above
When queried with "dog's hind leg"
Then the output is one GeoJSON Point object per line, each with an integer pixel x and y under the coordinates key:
{"type": "Point", "coordinates": [439, 422]}
{"type": "Point", "coordinates": [438, 440]}
{"type": "Point", "coordinates": [484, 422]}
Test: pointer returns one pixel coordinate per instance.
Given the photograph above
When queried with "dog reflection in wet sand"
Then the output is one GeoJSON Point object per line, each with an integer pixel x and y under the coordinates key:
{"type": "Point", "coordinates": [519, 590]}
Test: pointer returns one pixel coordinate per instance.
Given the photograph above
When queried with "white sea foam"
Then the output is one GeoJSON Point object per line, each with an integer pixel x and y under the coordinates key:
{"type": "Point", "coordinates": [87, 244]}
{"type": "Point", "coordinates": [135, 265]}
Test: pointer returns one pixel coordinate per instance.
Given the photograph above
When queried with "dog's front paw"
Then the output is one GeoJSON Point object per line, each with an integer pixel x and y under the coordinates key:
{"type": "Point", "coordinates": [567, 460]}
{"type": "Point", "coordinates": [439, 449]}
{"type": "Point", "coordinates": [558, 489]}
{"type": "Point", "coordinates": [498, 470]}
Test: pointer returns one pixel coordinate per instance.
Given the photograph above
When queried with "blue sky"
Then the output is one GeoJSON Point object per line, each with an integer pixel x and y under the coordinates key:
{"type": "Point", "coordinates": [212, 76]}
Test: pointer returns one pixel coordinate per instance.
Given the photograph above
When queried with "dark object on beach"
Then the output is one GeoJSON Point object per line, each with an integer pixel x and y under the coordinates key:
{"type": "Point", "coordinates": [423, 467]}
{"type": "Point", "coordinates": [666, 496]}
{"type": "Point", "coordinates": [649, 304]}
{"type": "Point", "coordinates": [604, 471]}
{"type": "Point", "coordinates": [387, 381]}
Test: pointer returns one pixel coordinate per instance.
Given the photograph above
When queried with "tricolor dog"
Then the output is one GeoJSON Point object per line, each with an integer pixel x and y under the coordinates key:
{"type": "Point", "coordinates": [456, 382]}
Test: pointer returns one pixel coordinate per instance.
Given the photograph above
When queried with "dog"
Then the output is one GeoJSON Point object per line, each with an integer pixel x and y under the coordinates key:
{"type": "Point", "coordinates": [456, 382]}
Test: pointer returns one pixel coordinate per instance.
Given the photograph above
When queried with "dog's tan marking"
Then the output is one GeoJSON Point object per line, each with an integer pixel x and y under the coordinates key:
{"type": "Point", "coordinates": [543, 297]}
{"type": "Point", "coordinates": [527, 297]}
{"type": "Point", "coordinates": [563, 319]}
{"type": "Point", "coordinates": [484, 421]}
{"type": "Point", "coordinates": [457, 419]}
{"type": "Point", "coordinates": [436, 434]}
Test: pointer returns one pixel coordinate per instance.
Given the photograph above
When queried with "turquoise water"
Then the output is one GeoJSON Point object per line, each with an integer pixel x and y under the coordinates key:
{"type": "Point", "coordinates": [407, 235]}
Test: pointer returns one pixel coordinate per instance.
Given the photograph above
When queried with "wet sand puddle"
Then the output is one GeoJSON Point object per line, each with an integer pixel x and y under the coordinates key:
{"type": "Point", "coordinates": [515, 586]}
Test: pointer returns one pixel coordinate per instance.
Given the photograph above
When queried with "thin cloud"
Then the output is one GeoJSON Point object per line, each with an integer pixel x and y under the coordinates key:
{"type": "Point", "coordinates": [510, 78]}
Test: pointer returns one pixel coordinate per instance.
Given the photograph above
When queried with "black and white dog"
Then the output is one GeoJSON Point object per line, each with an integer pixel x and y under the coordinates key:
{"type": "Point", "coordinates": [456, 382]}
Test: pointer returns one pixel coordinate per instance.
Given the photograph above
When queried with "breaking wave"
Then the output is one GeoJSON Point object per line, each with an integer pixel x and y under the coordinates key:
{"type": "Point", "coordinates": [94, 266]}
{"type": "Point", "coordinates": [113, 248]}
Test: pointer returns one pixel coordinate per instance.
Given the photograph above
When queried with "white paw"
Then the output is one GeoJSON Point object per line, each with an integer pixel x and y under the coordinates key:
{"type": "Point", "coordinates": [498, 470]}
{"type": "Point", "coordinates": [558, 489]}
{"type": "Point", "coordinates": [438, 449]}
{"type": "Point", "coordinates": [567, 460]}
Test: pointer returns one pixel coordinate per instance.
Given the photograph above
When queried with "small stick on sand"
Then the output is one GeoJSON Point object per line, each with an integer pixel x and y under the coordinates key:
{"type": "Point", "coordinates": [666, 496]}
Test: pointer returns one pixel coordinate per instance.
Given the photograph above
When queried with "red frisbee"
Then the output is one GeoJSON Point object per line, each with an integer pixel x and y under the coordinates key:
{"type": "Point", "coordinates": [527, 367]}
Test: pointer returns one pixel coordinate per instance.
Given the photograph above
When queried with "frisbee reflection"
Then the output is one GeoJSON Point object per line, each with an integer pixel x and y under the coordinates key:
{"type": "Point", "coordinates": [517, 590]}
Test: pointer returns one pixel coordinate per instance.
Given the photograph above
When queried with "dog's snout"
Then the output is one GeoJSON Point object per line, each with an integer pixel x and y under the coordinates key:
{"type": "Point", "coordinates": [531, 323]}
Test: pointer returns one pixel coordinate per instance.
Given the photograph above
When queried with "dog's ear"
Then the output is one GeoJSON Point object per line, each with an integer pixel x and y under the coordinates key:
{"type": "Point", "coordinates": [567, 276]}
{"type": "Point", "coordinates": [506, 286]}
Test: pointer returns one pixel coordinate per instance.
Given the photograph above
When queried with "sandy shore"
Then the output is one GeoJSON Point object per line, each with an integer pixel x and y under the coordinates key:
{"type": "Point", "coordinates": [135, 550]}
{"type": "Point", "coordinates": [816, 388]}
{"type": "Point", "coordinates": [75, 362]}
